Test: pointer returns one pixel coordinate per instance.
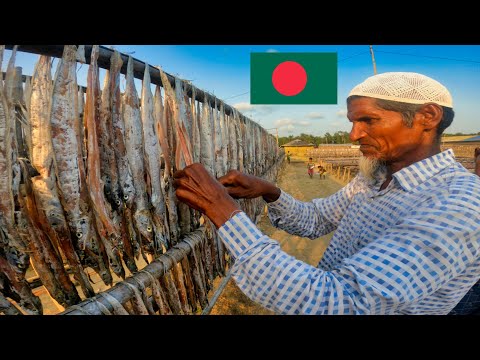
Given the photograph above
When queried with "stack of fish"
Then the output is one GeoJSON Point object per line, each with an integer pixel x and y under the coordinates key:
{"type": "Point", "coordinates": [94, 188]}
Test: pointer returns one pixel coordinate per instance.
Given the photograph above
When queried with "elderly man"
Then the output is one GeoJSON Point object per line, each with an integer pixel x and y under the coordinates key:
{"type": "Point", "coordinates": [407, 227]}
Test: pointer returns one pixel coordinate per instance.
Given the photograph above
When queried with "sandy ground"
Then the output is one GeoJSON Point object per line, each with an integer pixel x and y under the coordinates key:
{"type": "Point", "coordinates": [294, 180]}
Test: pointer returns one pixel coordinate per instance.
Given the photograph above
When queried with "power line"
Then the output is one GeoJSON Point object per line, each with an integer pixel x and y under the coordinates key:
{"type": "Point", "coordinates": [231, 97]}
{"type": "Point", "coordinates": [431, 57]}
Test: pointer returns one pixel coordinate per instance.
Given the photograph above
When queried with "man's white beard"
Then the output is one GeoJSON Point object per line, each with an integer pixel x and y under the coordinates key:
{"type": "Point", "coordinates": [368, 166]}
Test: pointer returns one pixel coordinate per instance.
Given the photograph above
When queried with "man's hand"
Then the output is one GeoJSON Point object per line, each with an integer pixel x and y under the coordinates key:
{"type": "Point", "coordinates": [240, 185]}
{"type": "Point", "coordinates": [199, 190]}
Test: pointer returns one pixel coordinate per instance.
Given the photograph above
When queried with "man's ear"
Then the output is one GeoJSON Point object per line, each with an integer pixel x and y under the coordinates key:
{"type": "Point", "coordinates": [429, 116]}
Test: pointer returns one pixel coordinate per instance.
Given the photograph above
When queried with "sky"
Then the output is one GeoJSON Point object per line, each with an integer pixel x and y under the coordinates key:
{"type": "Point", "coordinates": [224, 70]}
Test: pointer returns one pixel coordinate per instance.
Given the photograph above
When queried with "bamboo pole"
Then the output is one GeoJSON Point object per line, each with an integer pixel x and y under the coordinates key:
{"type": "Point", "coordinates": [373, 61]}
{"type": "Point", "coordinates": [138, 70]}
{"type": "Point", "coordinates": [122, 293]}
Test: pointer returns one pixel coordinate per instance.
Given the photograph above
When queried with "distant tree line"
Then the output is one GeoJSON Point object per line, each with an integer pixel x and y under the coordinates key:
{"type": "Point", "coordinates": [339, 137]}
{"type": "Point", "coordinates": [461, 134]}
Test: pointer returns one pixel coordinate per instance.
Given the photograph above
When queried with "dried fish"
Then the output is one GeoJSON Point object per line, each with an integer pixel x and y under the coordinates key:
{"type": "Point", "coordinates": [192, 297]}
{"type": "Point", "coordinates": [167, 283]}
{"type": "Point", "coordinates": [145, 296]}
{"type": "Point", "coordinates": [16, 287]}
{"type": "Point", "coordinates": [207, 150]}
{"type": "Point", "coordinates": [80, 55]}
{"type": "Point", "coordinates": [48, 264]}
{"type": "Point", "coordinates": [134, 145]}
{"type": "Point", "coordinates": [6, 307]}
{"type": "Point", "coordinates": [152, 153]}
{"type": "Point", "coordinates": [102, 307]}
{"type": "Point", "coordinates": [69, 169]}
{"type": "Point", "coordinates": [118, 308]}
{"type": "Point", "coordinates": [179, 284]}
{"type": "Point", "coordinates": [158, 295]}
{"type": "Point", "coordinates": [124, 172]}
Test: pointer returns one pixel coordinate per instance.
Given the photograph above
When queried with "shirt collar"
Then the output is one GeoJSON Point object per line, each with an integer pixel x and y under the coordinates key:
{"type": "Point", "coordinates": [413, 175]}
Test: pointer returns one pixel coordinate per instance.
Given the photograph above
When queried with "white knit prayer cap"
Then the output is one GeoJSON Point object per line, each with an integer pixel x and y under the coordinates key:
{"type": "Point", "coordinates": [406, 87]}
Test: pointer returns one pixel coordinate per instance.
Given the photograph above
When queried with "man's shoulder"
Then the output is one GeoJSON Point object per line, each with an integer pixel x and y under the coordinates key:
{"type": "Point", "coordinates": [458, 186]}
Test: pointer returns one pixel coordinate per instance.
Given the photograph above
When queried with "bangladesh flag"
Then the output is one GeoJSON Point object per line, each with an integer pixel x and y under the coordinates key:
{"type": "Point", "coordinates": [293, 78]}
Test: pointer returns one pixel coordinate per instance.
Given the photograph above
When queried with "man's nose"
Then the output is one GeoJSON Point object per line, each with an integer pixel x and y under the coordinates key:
{"type": "Point", "coordinates": [357, 132]}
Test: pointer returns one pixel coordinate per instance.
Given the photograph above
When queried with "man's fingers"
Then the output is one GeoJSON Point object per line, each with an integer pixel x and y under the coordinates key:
{"type": "Point", "coordinates": [188, 198]}
{"type": "Point", "coordinates": [228, 178]}
{"type": "Point", "coordinates": [178, 174]}
{"type": "Point", "coordinates": [180, 182]}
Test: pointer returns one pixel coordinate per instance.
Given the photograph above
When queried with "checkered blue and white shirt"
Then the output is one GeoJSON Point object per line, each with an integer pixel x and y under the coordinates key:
{"type": "Point", "coordinates": [412, 248]}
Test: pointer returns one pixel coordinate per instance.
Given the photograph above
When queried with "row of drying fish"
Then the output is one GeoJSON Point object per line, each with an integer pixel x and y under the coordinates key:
{"type": "Point", "coordinates": [181, 290]}
{"type": "Point", "coordinates": [94, 188]}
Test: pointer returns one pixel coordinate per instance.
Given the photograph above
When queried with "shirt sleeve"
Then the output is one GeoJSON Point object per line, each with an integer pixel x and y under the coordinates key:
{"type": "Point", "coordinates": [311, 219]}
{"type": "Point", "coordinates": [411, 261]}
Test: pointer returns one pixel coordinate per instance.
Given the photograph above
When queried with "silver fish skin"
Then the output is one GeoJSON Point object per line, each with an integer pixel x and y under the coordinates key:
{"type": "Point", "coordinates": [218, 143]}
{"type": "Point", "coordinates": [195, 127]}
{"type": "Point", "coordinates": [108, 230]}
{"type": "Point", "coordinates": [135, 154]}
{"type": "Point", "coordinates": [69, 167]}
{"type": "Point", "coordinates": [207, 154]}
{"type": "Point", "coordinates": [124, 172]}
{"type": "Point", "coordinates": [233, 141]}
{"type": "Point", "coordinates": [152, 152]}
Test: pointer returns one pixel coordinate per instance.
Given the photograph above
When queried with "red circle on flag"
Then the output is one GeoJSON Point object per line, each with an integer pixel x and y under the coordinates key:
{"type": "Point", "coordinates": [289, 78]}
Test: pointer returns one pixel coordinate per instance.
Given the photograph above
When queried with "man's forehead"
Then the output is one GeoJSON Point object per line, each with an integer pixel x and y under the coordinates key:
{"type": "Point", "coordinates": [362, 106]}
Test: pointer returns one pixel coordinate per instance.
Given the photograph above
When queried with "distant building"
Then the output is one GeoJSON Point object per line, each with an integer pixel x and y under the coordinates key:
{"type": "Point", "coordinates": [298, 148]}
{"type": "Point", "coordinates": [469, 141]}
{"type": "Point", "coordinates": [463, 148]}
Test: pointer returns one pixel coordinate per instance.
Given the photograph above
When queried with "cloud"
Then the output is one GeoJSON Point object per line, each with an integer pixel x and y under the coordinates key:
{"type": "Point", "coordinates": [314, 115]}
{"type": "Point", "coordinates": [342, 113]}
{"type": "Point", "coordinates": [257, 109]}
{"type": "Point", "coordinates": [243, 106]}
{"type": "Point", "coordinates": [283, 122]}
{"type": "Point", "coordinates": [272, 51]}
{"type": "Point", "coordinates": [290, 124]}
{"type": "Point", "coordinates": [340, 125]}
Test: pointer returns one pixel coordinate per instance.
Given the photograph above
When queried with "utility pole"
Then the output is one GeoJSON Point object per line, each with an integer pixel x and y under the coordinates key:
{"type": "Point", "coordinates": [276, 129]}
{"type": "Point", "coordinates": [373, 61]}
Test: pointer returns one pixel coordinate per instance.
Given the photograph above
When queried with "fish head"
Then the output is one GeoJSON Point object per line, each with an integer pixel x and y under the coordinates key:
{"type": "Point", "coordinates": [128, 196]}
{"type": "Point", "coordinates": [116, 201]}
{"type": "Point", "coordinates": [19, 258]}
{"type": "Point", "coordinates": [116, 265]}
{"type": "Point", "coordinates": [56, 219]}
{"type": "Point", "coordinates": [83, 231]}
{"type": "Point", "coordinates": [143, 220]}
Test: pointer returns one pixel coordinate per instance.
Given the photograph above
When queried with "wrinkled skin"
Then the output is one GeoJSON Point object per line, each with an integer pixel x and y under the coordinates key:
{"type": "Point", "coordinates": [383, 135]}
{"type": "Point", "coordinates": [244, 186]}
{"type": "Point", "coordinates": [196, 187]}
